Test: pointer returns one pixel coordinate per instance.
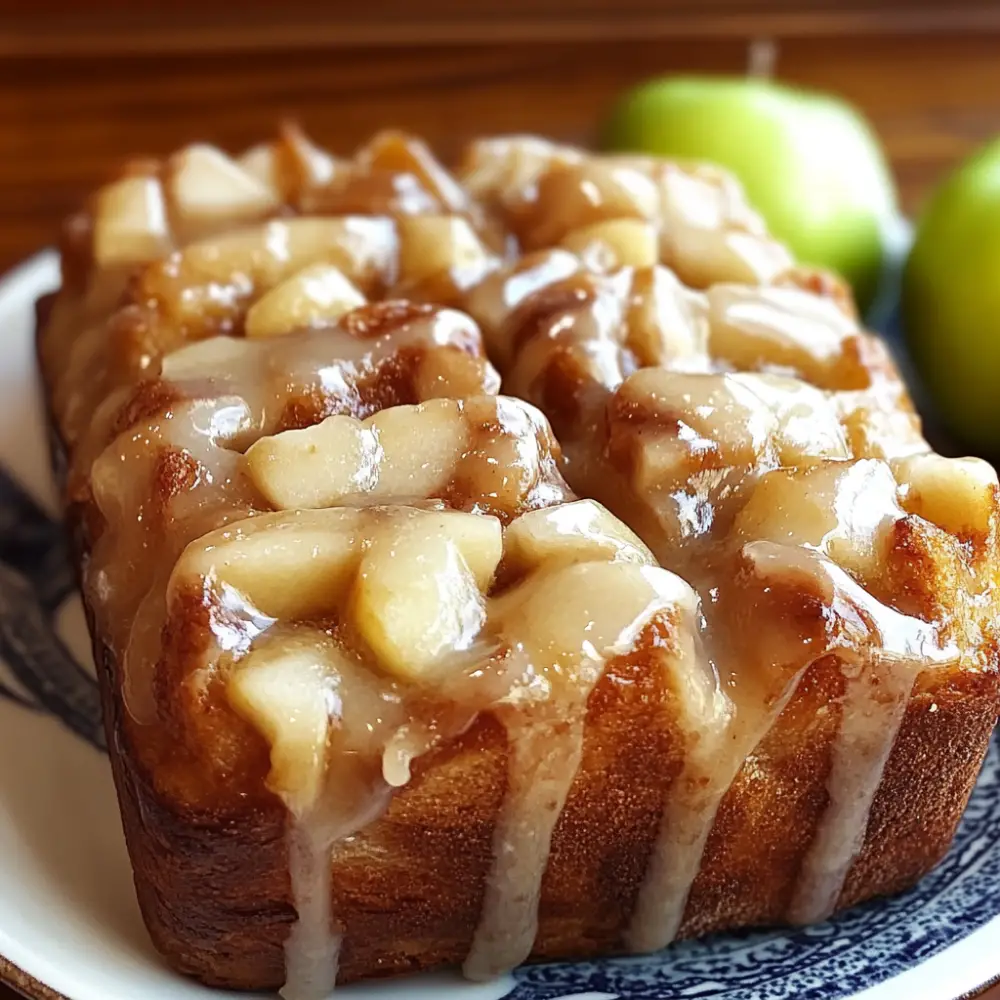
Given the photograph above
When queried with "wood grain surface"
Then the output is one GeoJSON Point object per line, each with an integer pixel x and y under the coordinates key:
{"type": "Point", "coordinates": [66, 122]}
{"type": "Point", "coordinates": [108, 26]}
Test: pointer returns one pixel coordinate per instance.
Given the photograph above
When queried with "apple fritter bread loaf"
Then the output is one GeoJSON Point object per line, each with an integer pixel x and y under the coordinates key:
{"type": "Point", "coordinates": [394, 676]}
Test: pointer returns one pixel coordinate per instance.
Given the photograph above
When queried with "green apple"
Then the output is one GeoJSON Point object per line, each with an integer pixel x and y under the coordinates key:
{"type": "Point", "coordinates": [810, 163]}
{"type": "Point", "coordinates": [951, 300]}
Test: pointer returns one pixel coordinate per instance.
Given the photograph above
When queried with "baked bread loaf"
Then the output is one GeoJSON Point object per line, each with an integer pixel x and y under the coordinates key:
{"type": "Point", "coordinates": [382, 694]}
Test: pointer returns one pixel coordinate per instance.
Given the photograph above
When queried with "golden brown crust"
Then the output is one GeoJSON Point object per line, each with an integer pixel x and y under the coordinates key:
{"type": "Point", "coordinates": [215, 894]}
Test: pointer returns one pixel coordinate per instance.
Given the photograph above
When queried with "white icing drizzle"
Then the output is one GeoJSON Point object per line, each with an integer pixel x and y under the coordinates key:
{"type": "Point", "coordinates": [543, 761]}
{"type": "Point", "coordinates": [873, 708]}
{"type": "Point", "coordinates": [689, 812]}
{"type": "Point", "coordinates": [893, 649]}
{"type": "Point", "coordinates": [564, 657]}
{"type": "Point", "coordinates": [312, 948]}
{"type": "Point", "coordinates": [881, 652]}
{"type": "Point", "coordinates": [687, 820]}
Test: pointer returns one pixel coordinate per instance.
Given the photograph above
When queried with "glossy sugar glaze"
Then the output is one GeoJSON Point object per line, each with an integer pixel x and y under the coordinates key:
{"type": "Point", "coordinates": [321, 545]}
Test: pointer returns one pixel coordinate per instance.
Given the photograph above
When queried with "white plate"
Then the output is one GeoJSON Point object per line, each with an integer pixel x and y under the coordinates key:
{"type": "Point", "coordinates": [68, 916]}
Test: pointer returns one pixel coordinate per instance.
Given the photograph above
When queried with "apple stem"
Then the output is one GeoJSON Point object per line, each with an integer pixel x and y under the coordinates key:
{"type": "Point", "coordinates": [762, 55]}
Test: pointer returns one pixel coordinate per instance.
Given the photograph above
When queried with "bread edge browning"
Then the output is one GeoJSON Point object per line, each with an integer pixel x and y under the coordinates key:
{"type": "Point", "coordinates": [215, 894]}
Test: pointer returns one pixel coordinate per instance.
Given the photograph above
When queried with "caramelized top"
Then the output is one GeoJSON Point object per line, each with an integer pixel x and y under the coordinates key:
{"type": "Point", "coordinates": [317, 532]}
{"type": "Point", "coordinates": [156, 206]}
{"type": "Point", "coordinates": [279, 278]}
{"type": "Point", "coordinates": [617, 210]}
{"type": "Point", "coordinates": [200, 196]}
{"type": "Point", "coordinates": [725, 422]}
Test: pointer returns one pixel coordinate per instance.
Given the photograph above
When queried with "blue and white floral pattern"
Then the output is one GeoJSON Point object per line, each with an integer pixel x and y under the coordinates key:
{"type": "Point", "coordinates": [37, 670]}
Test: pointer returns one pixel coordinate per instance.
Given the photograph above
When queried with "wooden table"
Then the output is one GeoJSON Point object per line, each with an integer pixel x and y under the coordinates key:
{"type": "Point", "coordinates": [79, 94]}
{"type": "Point", "coordinates": [82, 87]}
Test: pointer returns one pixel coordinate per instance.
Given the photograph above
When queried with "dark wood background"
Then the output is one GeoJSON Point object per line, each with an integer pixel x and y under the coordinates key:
{"type": "Point", "coordinates": [85, 84]}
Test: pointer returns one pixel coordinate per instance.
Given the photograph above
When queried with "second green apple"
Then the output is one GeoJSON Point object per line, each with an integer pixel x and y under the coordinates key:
{"type": "Point", "coordinates": [810, 163]}
{"type": "Point", "coordinates": [951, 301]}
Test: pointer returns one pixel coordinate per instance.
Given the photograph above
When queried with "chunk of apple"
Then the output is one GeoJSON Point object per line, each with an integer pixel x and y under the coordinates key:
{"type": "Point", "coordinates": [435, 244]}
{"type": "Point", "coordinates": [784, 328]}
{"type": "Point", "coordinates": [283, 689]}
{"type": "Point", "coordinates": [398, 454]}
{"type": "Point", "coordinates": [616, 242]}
{"type": "Point", "coordinates": [959, 495]}
{"type": "Point", "coordinates": [582, 194]}
{"type": "Point", "coordinates": [581, 531]}
{"type": "Point", "coordinates": [809, 427]}
{"type": "Point", "coordinates": [566, 622]}
{"type": "Point", "coordinates": [287, 565]}
{"type": "Point", "coordinates": [318, 294]}
{"type": "Point", "coordinates": [301, 164]}
{"type": "Point", "coordinates": [666, 322]}
{"type": "Point", "coordinates": [399, 153]}
{"type": "Point", "coordinates": [206, 187]}
{"type": "Point", "coordinates": [693, 422]}
{"type": "Point", "coordinates": [420, 445]}
{"type": "Point", "coordinates": [504, 166]}
{"type": "Point", "coordinates": [130, 223]}
{"type": "Point", "coordinates": [261, 162]}
{"type": "Point", "coordinates": [703, 257]}
{"type": "Point", "coordinates": [845, 510]}
{"type": "Point", "coordinates": [316, 466]}
{"type": "Point", "coordinates": [363, 248]}
{"type": "Point", "coordinates": [418, 599]}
